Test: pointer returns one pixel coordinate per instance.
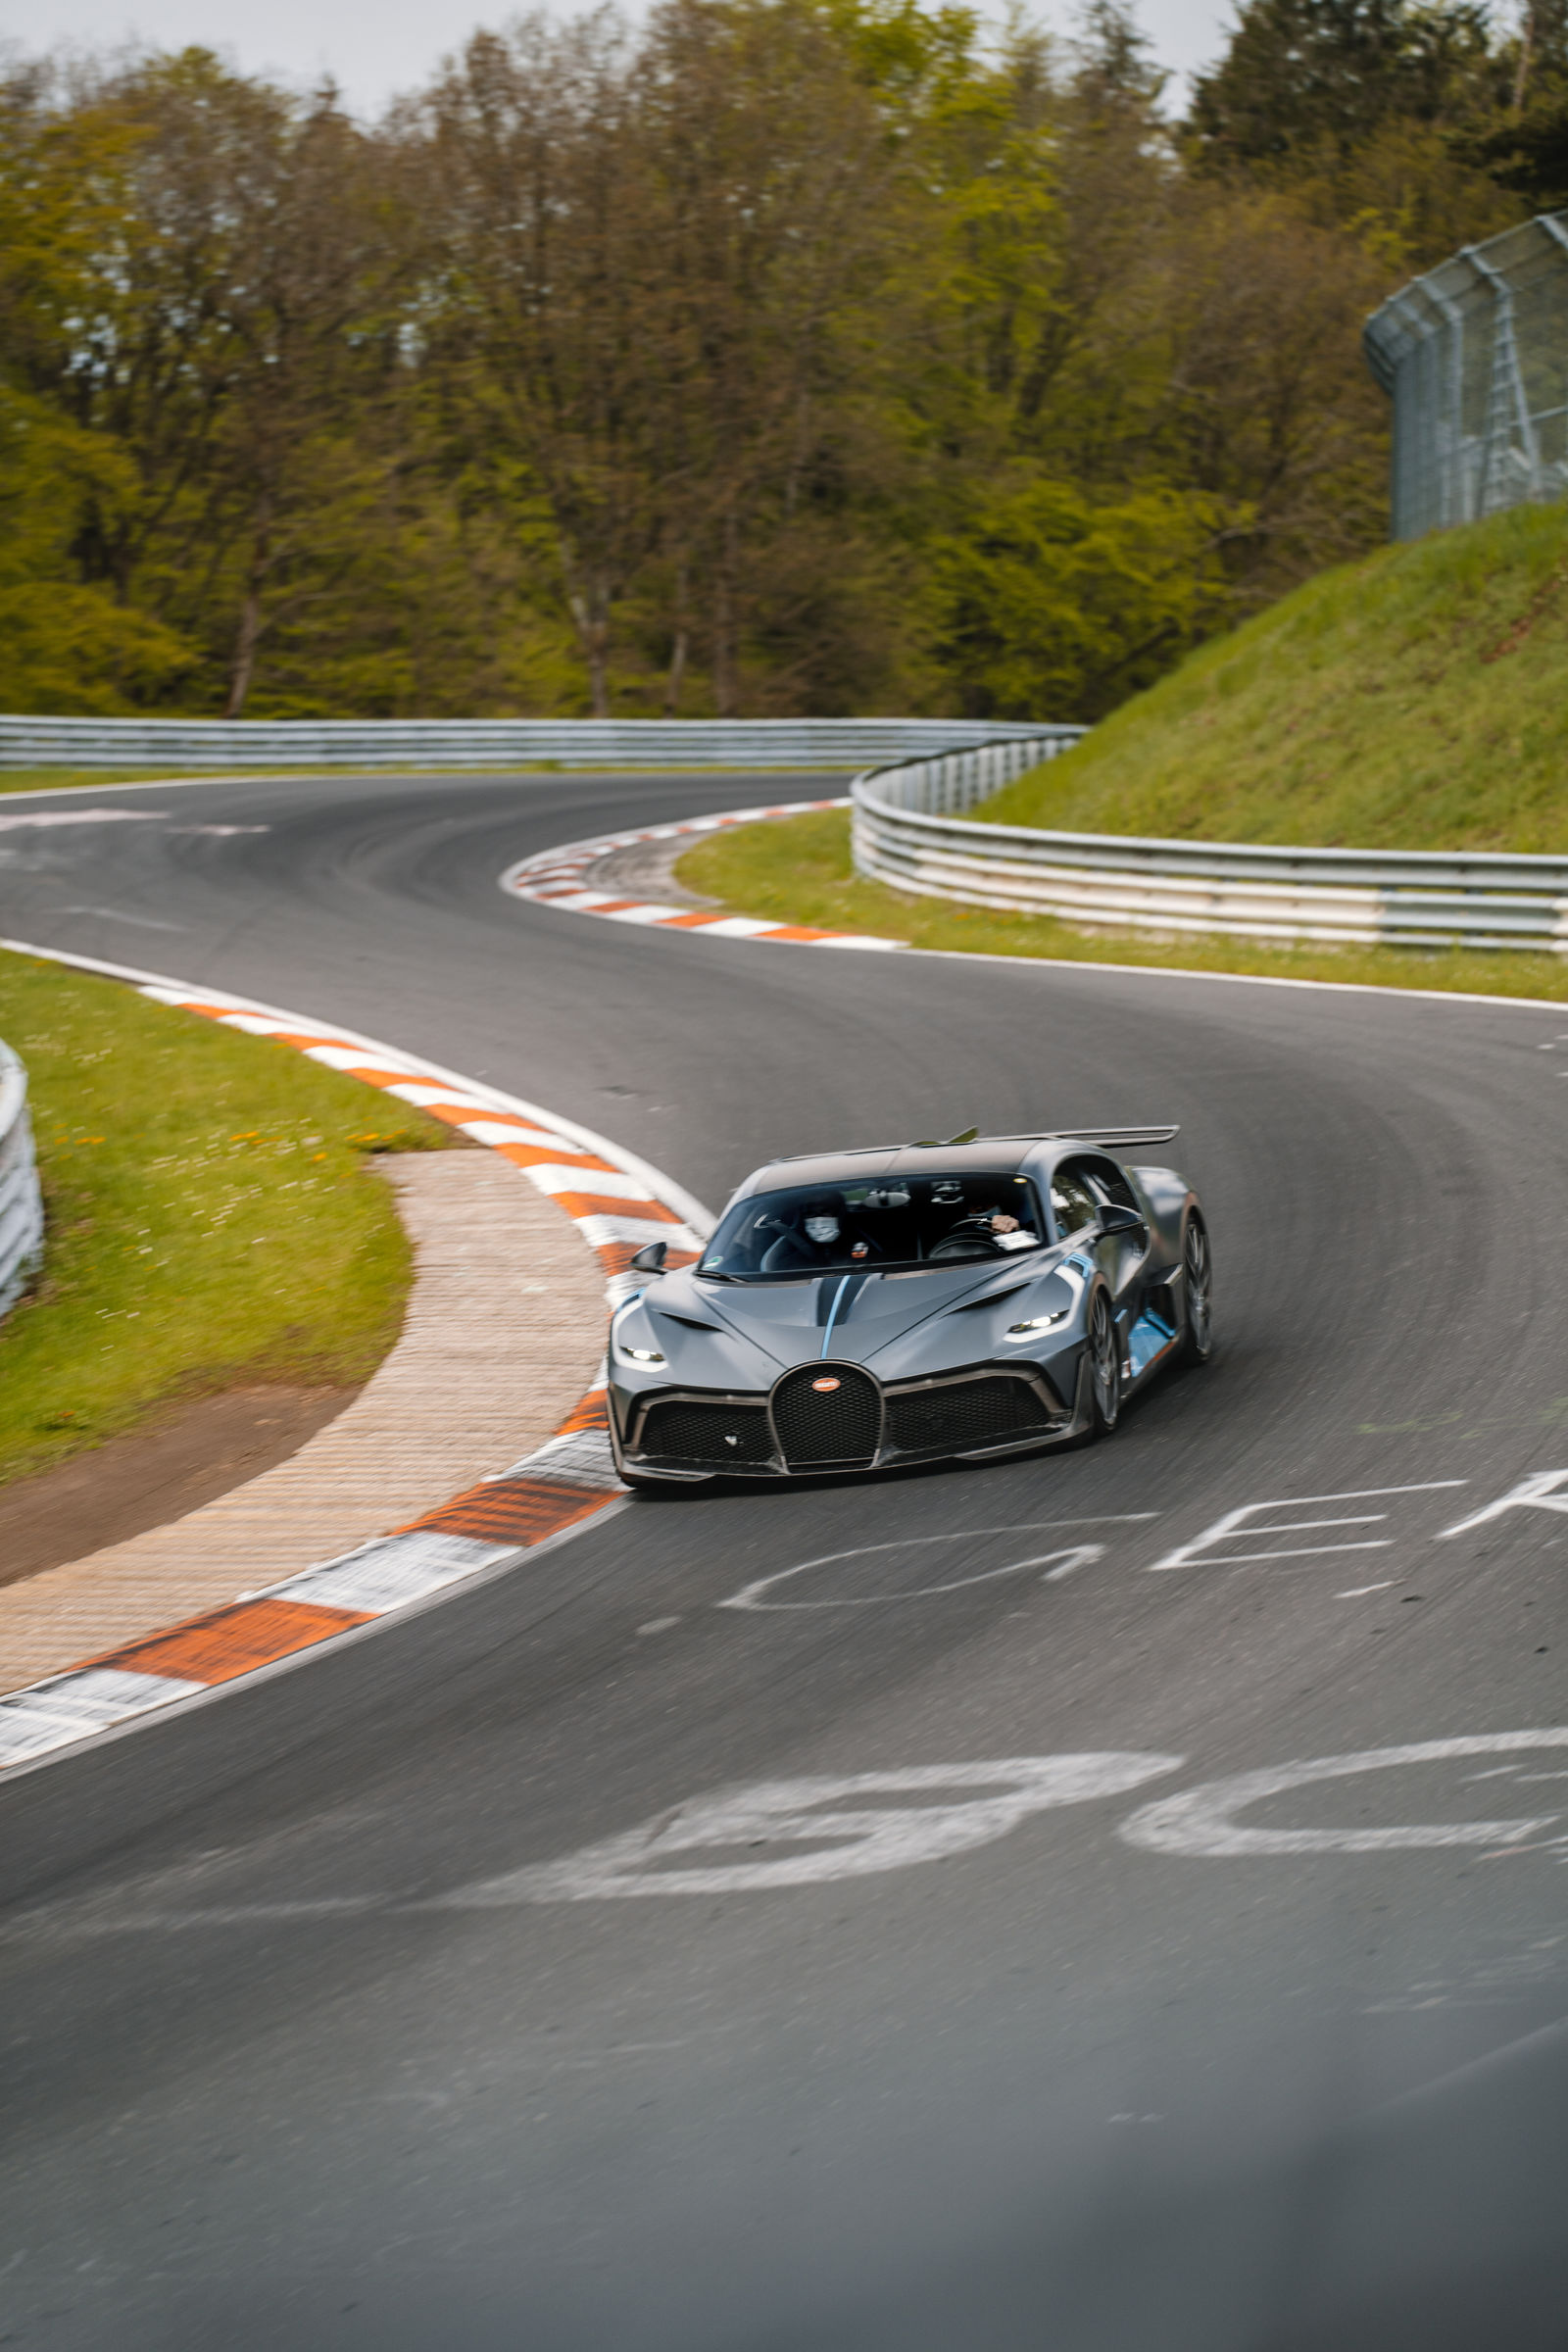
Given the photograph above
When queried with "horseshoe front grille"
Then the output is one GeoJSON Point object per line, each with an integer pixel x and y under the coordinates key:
{"type": "Point", "coordinates": [828, 1428]}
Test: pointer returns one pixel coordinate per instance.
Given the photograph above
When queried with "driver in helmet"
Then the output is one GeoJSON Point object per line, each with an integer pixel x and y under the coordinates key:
{"type": "Point", "coordinates": [816, 1240]}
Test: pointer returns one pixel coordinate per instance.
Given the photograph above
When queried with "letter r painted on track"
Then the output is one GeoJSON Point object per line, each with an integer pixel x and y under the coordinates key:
{"type": "Point", "coordinates": [1542, 1491]}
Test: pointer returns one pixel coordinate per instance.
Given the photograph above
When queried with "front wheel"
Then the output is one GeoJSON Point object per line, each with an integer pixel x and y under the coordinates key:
{"type": "Point", "coordinates": [1104, 1369]}
{"type": "Point", "coordinates": [1197, 1269]}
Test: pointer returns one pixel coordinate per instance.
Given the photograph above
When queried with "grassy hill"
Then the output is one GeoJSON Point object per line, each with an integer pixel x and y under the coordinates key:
{"type": "Point", "coordinates": [1416, 700]}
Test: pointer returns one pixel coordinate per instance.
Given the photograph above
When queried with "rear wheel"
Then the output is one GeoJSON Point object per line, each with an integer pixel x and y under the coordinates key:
{"type": "Point", "coordinates": [1105, 1368]}
{"type": "Point", "coordinates": [1198, 1340]}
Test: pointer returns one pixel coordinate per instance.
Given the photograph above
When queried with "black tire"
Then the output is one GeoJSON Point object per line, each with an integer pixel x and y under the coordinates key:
{"type": "Point", "coordinates": [1197, 1286]}
{"type": "Point", "coordinates": [1104, 1350]}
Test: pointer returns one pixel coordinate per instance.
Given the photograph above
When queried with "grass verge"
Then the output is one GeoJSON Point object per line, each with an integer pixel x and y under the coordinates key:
{"type": "Point", "coordinates": [799, 871]}
{"type": "Point", "coordinates": [1413, 700]}
{"type": "Point", "coordinates": [209, 1220]}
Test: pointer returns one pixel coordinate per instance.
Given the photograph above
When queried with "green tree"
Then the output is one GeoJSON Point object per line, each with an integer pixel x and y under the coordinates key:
{"type": "Point", "coordinates": [762, 355]}
{"type": "Point", "coordinates": [1048, 602]}
{"type": "Point", "coordinates": [246, 355]}
{"type": "Point", "coordinates": [1304, 76]}
{"type": "Point", "coordinates": [64, 645]}
{"type": "Point", "coordinates": [1526, 153]}
{"type": "Point", "coordinates": [1365, 114]}
{"type": "Point", "coordinates": [649, 259]}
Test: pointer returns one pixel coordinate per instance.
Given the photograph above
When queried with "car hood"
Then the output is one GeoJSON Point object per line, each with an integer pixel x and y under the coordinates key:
{"type": "Point", "coordinates": [787, 1323]}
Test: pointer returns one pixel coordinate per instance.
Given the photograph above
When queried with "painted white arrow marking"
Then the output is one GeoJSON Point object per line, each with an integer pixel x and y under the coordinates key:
{"type": "Point", "coordinates": [1080, 1555]}
{"type": "Point", "coordinates": [1070, 1558]}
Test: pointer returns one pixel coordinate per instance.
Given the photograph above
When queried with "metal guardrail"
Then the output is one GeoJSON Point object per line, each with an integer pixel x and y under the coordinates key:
{"type": "Point", "coordinates": [906, 834]}
{"type": "Point", "coordinates": [909, 828]}
{"type": "Point", "coordinates": [20, 1203]}
{"type": "Point", "coordinates": [209, 744]}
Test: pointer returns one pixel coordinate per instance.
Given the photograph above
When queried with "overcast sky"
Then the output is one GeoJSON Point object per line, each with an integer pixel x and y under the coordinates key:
{"type": "Point", "coordinates": [375, 48]}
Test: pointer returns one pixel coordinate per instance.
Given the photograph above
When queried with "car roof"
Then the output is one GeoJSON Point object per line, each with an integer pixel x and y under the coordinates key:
{"type": "Point", "coordinates": [1002, 1154]}
{"type": "Point", "coordinates": [986, 1154]}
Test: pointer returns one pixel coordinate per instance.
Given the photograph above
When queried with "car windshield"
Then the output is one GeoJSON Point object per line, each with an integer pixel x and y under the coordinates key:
{"type": "Point", "coordinates": [885, 1223]}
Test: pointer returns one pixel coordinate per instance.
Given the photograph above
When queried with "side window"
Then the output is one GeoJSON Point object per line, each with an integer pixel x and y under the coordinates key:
{"type": "Point", "coordinates": [1072, 1205]}
{"type": "Point", "coordinates": [1107, 1182]}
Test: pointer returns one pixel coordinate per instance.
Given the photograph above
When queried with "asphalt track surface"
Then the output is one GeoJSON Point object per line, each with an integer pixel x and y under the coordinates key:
{"type": "Point", "coordinates": [276, 2076]}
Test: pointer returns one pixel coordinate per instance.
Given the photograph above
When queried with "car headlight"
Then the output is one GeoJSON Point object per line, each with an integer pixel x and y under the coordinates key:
{"type": "Point", "coordinates": [1026, 1330]}
{"type": "Point", "coordinates": [623, 1347]}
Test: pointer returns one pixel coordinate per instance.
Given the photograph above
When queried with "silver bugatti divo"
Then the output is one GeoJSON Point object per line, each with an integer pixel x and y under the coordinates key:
{"type": "Point", "coordinates": [915, 1303]}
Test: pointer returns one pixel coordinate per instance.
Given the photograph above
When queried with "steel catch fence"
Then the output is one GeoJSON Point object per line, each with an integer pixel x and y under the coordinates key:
{"type": "Point", "coordinates": [1475, 354]}
{"type": "Point", "coordinates": [20, 1202]}
{"type": "Point", "coordinates": [906, 833]}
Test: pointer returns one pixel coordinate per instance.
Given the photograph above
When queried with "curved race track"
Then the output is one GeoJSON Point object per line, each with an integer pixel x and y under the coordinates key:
{"type": "Point", "coordinates": [278, 2076]}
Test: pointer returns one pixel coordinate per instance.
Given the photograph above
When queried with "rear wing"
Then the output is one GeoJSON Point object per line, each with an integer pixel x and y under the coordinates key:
{"type": "Point", "coordinates": [1115, 1138]}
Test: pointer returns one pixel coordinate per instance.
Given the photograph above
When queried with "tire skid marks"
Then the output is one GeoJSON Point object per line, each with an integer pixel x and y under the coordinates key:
{"type": "Point", "coordinates": [554, 878]}
{"type": "Point", "coordinates": [615, 1204]}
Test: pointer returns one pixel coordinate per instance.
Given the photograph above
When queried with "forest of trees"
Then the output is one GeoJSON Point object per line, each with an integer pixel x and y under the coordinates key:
{"type": "Point", "coordinates": [763, 357]}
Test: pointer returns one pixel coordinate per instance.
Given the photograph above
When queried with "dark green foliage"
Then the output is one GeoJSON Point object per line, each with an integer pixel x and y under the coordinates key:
{"type": "Point", "coordinates": [1304, 75]}
{"type": "Point", "coordinates": [772, 356]}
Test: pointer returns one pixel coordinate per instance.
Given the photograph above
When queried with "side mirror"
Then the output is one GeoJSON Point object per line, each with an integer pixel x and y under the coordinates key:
{"type": "Point", "coordinates": [1115, 1218]}
{"type": "Point", "coordinates": [649, 1260]}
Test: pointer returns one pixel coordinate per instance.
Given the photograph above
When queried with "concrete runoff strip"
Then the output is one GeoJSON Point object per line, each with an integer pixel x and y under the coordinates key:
{"type": "Point", "coordinates": [646, 872]}
{"type": "Point", "coordinates": [616, 1202]}
{"type": "Point", "coordinates": [503, 1335]}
